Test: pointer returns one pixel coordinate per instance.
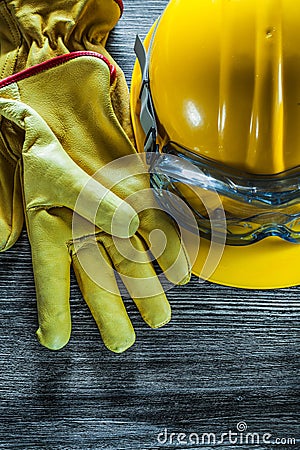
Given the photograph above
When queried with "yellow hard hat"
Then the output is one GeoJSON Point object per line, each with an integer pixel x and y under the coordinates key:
{"type": "Point", "coordinates": [219, 85]}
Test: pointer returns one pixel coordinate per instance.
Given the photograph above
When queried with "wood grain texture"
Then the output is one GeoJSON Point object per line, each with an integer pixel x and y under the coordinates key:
{"type": "Point", "coordinates": [227, 356]}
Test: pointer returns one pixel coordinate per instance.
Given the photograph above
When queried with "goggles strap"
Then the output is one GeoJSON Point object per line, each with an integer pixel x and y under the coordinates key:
{"type": "Point", "coordinates": [147, 114]}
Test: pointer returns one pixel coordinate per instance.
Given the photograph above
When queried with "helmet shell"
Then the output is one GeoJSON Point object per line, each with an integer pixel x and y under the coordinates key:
{"type": "Point", "coordinates": [225, 82]}
{"type": "Point", "coordinates": [224, 78]}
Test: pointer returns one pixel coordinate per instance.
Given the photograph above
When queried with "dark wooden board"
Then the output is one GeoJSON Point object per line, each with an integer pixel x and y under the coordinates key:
{"type": "Point", "coordinates": [228, 356]}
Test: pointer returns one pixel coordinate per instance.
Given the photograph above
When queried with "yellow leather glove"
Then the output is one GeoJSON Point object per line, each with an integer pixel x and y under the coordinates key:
{"type": "Point", "coordinates": [33, 31]}
{"type": "Point", "coordinates": [58, 126]}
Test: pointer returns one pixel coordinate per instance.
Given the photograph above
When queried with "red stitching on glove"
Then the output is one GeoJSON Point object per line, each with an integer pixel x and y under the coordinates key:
{"type": "Point", "coordinates": [58, 60]}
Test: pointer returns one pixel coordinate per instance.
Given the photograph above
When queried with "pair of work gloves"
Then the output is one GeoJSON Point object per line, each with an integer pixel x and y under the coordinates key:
{"type": "Point", "coordinates": [64, 125]}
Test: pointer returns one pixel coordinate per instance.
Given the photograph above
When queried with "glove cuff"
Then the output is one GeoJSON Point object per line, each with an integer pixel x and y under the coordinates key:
{"type": "Point", "coordinates": [32, 31]}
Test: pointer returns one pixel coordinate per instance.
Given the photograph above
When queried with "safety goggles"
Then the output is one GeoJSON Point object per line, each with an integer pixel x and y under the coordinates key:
{"type": "Point", "coordinates": [255, 206]}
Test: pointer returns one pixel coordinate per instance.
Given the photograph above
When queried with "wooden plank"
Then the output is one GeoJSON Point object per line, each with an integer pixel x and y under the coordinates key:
{"type": "Point", "coordinates": [228, 355]}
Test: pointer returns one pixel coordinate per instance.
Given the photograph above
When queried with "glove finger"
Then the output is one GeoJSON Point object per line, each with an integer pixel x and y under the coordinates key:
{"type": "Point", "coordinates": [66, 184]}
{"type": "Point", "coordinates": [11, 208]}
{"type": "Point", "coordinates": [103, 298]}
{"type": "Point", "coordinates": [139, 277]}
{"type": "Point", "coordinates": [48, 234]}
{"type": "Point", "coordinates": [162, 237]}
